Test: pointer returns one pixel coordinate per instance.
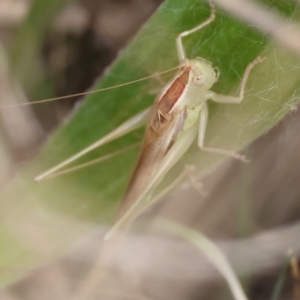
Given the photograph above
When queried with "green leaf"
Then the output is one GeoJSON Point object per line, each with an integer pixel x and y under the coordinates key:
{"type": "Point", "coordinates": [92, 195]}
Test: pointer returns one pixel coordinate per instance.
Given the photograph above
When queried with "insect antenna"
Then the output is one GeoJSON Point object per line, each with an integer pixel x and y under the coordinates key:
{"type": "Point", "coordinates": [86, 93]}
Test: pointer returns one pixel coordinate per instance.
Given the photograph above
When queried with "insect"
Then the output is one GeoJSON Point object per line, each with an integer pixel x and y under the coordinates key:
{"type": "Point", "coordinates": [179, 114]}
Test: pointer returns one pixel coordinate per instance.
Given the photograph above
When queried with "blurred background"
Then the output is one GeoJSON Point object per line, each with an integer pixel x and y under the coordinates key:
{"type": "Point", "coordinates": [51, 235]}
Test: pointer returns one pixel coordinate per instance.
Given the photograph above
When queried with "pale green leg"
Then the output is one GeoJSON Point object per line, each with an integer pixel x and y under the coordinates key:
{"type": "Point", "coordinates": [201, 136]}
{"type": "Point", "coordinates": [187, 171]}
{"type": "Point", "coordinates": [224, 99]}
{"type": "Point", "coordinates": [174, 154]}
{"type": "Point", "coordinates": [237, 99]}
{"type": "Point", "coordinates": [133, 123]}
{"type": "Point", "coordinates": [179, 45]}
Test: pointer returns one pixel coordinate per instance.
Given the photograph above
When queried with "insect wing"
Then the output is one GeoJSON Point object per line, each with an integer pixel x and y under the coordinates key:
{"type": "Point", "coordinates": [155, 145]}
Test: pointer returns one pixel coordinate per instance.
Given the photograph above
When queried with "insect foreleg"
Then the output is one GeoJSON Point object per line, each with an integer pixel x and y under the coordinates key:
{"type": "Point", "coordinates": [133, 123]}
{"type": "Point", "coordinates": [201, 136]}
{"type": "Point", "coordinates": [179, 45]}
{"type": "Point", "coordinates": [233, 99]}
{"type": "Point", "coordinates": [224, 99]}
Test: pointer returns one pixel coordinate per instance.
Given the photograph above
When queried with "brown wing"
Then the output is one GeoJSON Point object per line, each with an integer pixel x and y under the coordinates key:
{"type": "Point", "coordinates": [163, 127]}
{"type": "Point", "coordinates": [153, 150]}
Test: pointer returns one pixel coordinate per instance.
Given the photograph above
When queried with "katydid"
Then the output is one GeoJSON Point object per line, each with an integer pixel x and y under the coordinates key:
{"type": "Point", "coordinates": [178, 115]}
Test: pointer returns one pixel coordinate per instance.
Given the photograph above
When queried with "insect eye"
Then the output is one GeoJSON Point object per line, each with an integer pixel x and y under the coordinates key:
{"type": "Point", "coordinates": [199, 79]}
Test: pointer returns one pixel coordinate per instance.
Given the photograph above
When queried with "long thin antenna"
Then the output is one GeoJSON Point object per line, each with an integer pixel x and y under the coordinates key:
{"type": "Point", "coordinates": [86, 93]}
